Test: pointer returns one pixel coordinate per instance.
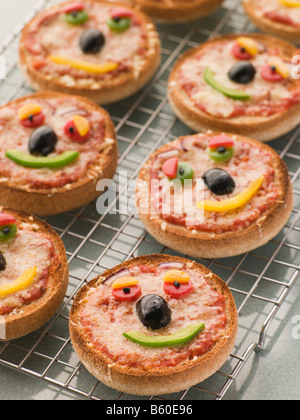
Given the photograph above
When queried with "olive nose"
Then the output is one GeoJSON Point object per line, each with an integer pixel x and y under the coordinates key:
{"type": "Point", "coordinates": [42, 141]}
{"type": "Point", "coordinates": [154, 312]}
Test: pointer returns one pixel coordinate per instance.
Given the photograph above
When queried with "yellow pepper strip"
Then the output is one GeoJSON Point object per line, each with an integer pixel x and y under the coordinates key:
{"type": "Point", "coordinates": [27, 110]}
{"type": "Point", "coordinates": [281, 68]}
{"type": "Point", "coordinates": [82, 125]}
{"type": "Point", "coordinates": [21, 283]}
{"type": "Point", "coordinates": [290, 3]}
{"type": "Point", "coordinates": [249, 44]}
{"type": "Point", "coordinates": [84, 65]}
{"type": "Point", "coordinates": [124, 282]}
{"type": "Point", "coordinates": [176, 275]}
{"type": "Point", "coordinates": [235, 202]}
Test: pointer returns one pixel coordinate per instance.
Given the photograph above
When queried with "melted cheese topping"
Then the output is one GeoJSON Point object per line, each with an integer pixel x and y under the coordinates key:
{"type": "Point", "coordinates": [278, 12]}
{"type": "Point", "coordinates": [58, 112]}
{"type": "Point", "coordinates": [267, 98]}
{"type": "Point", "coordinates": [28, 249]}
{"type": "Point", "coordinates": [248, 163]}
{"type": "Point", "coordinates": [51, 35]}
{"type": "Point", "coordinates": [105, 320]}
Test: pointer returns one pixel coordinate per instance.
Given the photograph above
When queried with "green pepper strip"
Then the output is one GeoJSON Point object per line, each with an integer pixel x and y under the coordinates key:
{"type": "Point", "coordinates": [181, 337]}
{"type": "Point", "coordinates": [35, 162]}
{"type": "Point", "coordinates": [231, 93]}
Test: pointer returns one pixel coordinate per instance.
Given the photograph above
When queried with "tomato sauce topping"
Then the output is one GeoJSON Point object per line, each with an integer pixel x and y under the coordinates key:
{"type": "Point", "coordinates": [248, 163]}
{"type": "Point", "coordinates": [105, 320]}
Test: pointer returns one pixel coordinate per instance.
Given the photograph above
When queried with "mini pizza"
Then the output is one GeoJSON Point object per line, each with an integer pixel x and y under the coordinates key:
{"type": "Point", "coordinates": [277, 17]}
{"type": "Point", "coordinates": [214, 195]}
{"type": "Point", "coordinates": [54, 149]}
{"type": "Point", "coordinates": [101, 50]}
{"type": "Point", "coordinates": [178, 11]}
{"type": "Point", "coordinates": [154, 325]}
{"type": "Point", "coordinates": [241, 84]}
{"type": "Point", "coordinates": [33, 273]}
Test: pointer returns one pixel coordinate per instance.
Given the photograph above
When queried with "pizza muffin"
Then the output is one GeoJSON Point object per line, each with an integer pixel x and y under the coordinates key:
{"type": "Point", "coordinates": [239, 84]}
{"type": "Point", "coordinates": [214, 195]}
{"type": "Point", "coordinates": [277, 17]}
{"type": "Point", "coordinates": [54, 149]}
{"type": "Point", "coordinates": [154, 325]}
{"type": "Point", "coordinates": [33, 273]}
{"type": "Point", "coordinates": [178, 11]}
{"type": "Point", "coordinates": [104, 51]}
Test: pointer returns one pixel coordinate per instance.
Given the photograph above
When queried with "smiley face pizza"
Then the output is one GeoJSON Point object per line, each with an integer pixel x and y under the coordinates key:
{"type": "Point", "coordinates": [239, 84]}
{"type": "Point", "coordinates": [154, 325]}
{"type": "Point", "coordinates": [214, 195]}
{"type": "Point", "coordinates": [277, 17]}
{"type": "Point", "coordinates": [33, 273]}
{"type": "Point", "coordinates": [54, 149]}
{"type": "Point", "coordinates": [104, 51]}
{"type": "Point", "coordinates": [178, 11]}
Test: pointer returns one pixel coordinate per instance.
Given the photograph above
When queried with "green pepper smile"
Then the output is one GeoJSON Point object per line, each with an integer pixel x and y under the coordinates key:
{"type": "Point", "coordinates": [179, 338]}
{"type": "Point", "coordinates": [29, 161]}
{"type": "Point", "coordinates": [231, 93]}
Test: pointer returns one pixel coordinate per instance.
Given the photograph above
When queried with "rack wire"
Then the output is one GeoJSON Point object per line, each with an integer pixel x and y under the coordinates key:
{"type": "Point", "coordinates": [259, 280]}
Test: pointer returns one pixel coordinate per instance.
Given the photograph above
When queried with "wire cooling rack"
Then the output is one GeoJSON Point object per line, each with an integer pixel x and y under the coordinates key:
{"type": "Point", "coordinates": [259, 280]}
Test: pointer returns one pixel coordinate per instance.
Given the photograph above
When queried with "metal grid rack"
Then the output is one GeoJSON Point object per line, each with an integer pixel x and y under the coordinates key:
{"type": "Point", "coordinates": [259, 280]}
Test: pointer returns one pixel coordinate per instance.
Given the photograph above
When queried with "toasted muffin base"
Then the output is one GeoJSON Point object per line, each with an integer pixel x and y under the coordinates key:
{"type": "Point", "coordinates": [108, 91]}
{"type": "Point", "coordinates": [159, 381]}
{"type": "Point", "coordinates": [178, 13]}
{"type": "Point", "coordinates": [35, 314]}
{"type": "Point", "coordinates": [199, 244]}
{"type": "Point", "coordinates": [45, 202]}
{"type": "Point", "coordinates": [258, 127]}
{"type": "Point", "coordinates": [286, 32]}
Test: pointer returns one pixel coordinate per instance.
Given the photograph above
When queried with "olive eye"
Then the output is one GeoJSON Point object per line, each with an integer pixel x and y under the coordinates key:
{"type": "Point", "coordinates": [242, 72]}
{"type": "Point", "coordinates": [219, 181]}
{"type": "Point", "coordinates": [76, 17]}
{"type": "Point", "coordinates": [177, 284]}
{"type": "Point", "coordinates": [8, 227]}
{"type": "Point", "coordinates": [31, 115]}
{"type": "Point", "coordinates": [184, 172]}
{"type": "Point", "coordinates": [119, 25]}
{"type": "Point", "coordinates": [42, 141]}
{"type": "Point", "coordinates": [91, 41]}
{"type": "Point", "coordinates": [221, 154]}
{"type": "Point", "coordinates": [78, 129]}
{"type": "Point", "coordinates": [126, 289]}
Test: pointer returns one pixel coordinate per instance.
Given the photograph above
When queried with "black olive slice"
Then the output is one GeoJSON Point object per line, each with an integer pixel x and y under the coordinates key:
{"type": "Point", "coordinates": [2, 262]}
{"type": "Point", "coordinates": [91, 41]}
{"type": "Point", "coordinates": [242, 72]}
{"type": "Point", "coordinates": [42, 141]}
{"type": "Point", "coordinates": [219, 181]}
{"type": "Point", "coordinates": [154, 312]}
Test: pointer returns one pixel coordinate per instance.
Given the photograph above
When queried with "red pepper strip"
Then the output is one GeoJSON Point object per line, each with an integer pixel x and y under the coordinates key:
{"type": "Point", "coordinates": [7, 219]}
{"type": "Point", "coordinates": [170, 168]}
{"type": "Point", "coordinates": [120, 12]}
{"type": "Point", "coordinates": [76, 6]}
{"type": "Point", "coordinates": [221, 140]}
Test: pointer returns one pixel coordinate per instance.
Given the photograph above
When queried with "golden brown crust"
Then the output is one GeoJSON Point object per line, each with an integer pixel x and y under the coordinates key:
{"type": "Point", "coordinates": [163, 380]}
{"type": "Point", "coordinates": [44, 202]}
{"type": "Point", "coordinates": [109, 91]}
{"type": "Point", "coordinates": [35, 314]}
{"type": "Point", "coordinates": [261, 128]}
{"type": "Point", "coordinates": [281, 30]}
{"type": "Point", "coordinates": [179, 11]}
{"type": "Point", "coordinates": [202, 244]}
